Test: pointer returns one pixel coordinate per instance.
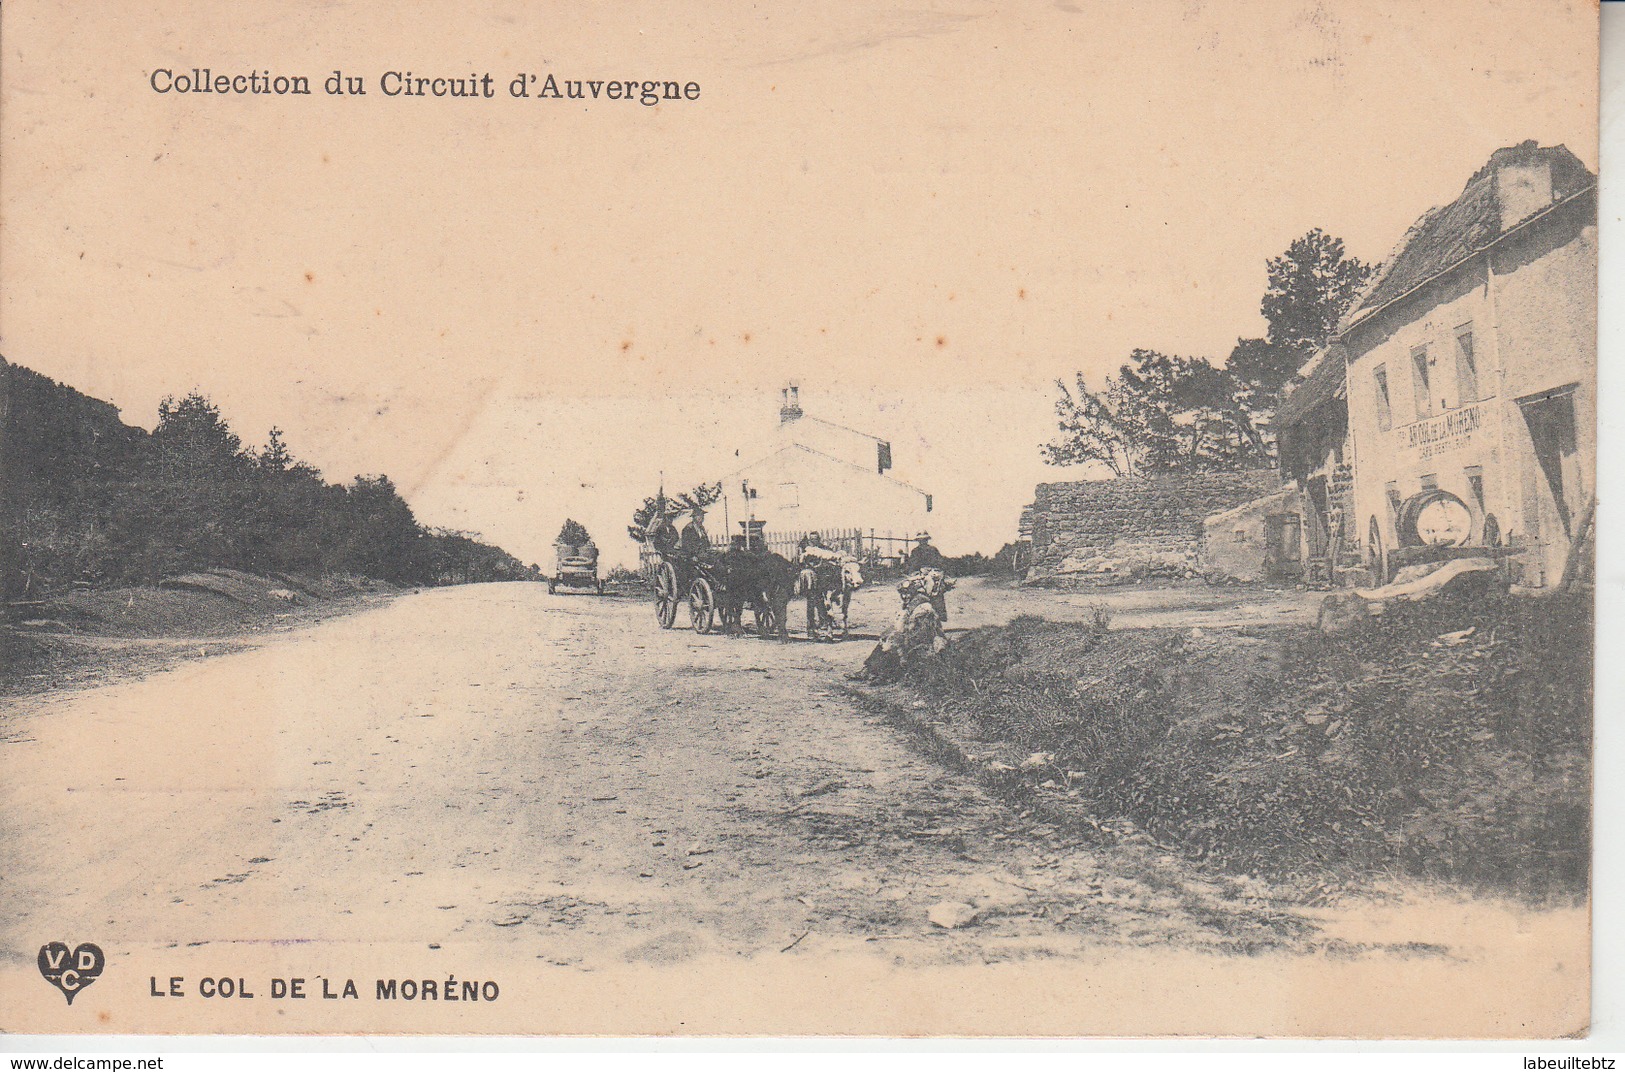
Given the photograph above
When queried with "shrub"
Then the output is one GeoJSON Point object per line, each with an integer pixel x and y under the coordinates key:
{"type": "Point", "coordinates": [623, 577]}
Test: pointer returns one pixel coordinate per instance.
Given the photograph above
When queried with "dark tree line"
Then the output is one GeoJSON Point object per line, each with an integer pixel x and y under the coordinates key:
{"type": "Point", "coordinates": [1163, 413]}
{"type": "Point", "coordinates": [88, 499]}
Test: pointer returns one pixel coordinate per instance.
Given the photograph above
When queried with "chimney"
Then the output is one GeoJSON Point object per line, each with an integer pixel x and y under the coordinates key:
{"type": "Point", "coordinates": [1522, 189]}
{"type": "Point", "coordinates": [790, 409]}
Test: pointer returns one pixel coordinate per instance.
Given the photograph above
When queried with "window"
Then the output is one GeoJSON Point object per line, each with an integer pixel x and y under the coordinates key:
{"type": "Point", "coordinates": [1466, 367]}
{"type": "Point", "coordinates": [1421, 382]}
{"type": "Point", "coordinates": [928, 504]}
{"type": "Point", "coordinates": [1385, 409]}
{"type": "Point", "coordinates": [1475, 484]}
{"type": "Point", "coordinates": [1430, 481]}
{"type": "Point", "coordinates": [789, 495]}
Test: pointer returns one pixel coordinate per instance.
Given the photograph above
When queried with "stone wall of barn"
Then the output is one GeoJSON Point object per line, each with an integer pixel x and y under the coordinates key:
{"type": "Point", "coordinates": [1132, 528]}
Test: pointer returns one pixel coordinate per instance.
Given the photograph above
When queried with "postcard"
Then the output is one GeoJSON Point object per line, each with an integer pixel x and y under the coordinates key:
{"type": "Point", "coordinates": [1058, 519]}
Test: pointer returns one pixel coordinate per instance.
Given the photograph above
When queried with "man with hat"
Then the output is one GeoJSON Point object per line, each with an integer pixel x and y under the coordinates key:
{"type": "Point", "coordinates": [695, 542]}
{"type": "Point", "coordinates": [925, 556]}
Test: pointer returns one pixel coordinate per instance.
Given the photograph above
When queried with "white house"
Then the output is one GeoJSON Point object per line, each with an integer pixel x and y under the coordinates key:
{"type": "Point", "coordinates": [1471, 370]}
{"type": "Point", "coordinates": [814, 474]}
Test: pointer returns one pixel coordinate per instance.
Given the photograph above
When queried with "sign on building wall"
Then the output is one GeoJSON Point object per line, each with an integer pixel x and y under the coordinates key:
{"type": "Point", "coordinates": [1442, 434]}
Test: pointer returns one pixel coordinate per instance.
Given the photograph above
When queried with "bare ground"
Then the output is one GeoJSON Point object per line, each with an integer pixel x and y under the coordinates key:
{"type": "Point", "coordinates": [494, 767]}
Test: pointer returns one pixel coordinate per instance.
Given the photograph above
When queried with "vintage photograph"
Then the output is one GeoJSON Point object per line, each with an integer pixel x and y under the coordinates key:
{"type": "Point", "coordinates": [1065, 519]}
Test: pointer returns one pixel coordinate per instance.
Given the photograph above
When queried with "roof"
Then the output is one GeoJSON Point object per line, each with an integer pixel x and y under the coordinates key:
{"type": "Point", "coordinates": [785, 432]}
{"type": "Point", "coordinates": [839, 427]}
{"type": "Point", "coordinates": [1442, 238]}
{"type": "Point", "coordinates": [1448, 234]}
{"type": "Point", "coordinates": [828, 458]}
{"type": "Point", "coordinates": [1322, 383]}
{"type": "Point", "coordinates": [1282, 494]}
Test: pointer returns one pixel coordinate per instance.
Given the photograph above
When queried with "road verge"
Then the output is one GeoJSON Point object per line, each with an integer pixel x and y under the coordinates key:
{"type": "Point", "coordinates": [92, 636]}
{"type": "Point", "coordinates": [1448, 741]}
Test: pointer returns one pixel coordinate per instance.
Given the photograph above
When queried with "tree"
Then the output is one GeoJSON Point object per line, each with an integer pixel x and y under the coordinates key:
{"type": "Point", "coordinates": [660, 508]}
{"type": "Point", "coordinates": [1185, 415]}
{"type": "Point", "coordinates": [1159, 414]}
{"type": "Point", "coordinates": [383, 532]}
{"type": "Point", "coordinates": [275, 457]}
{"type": "Point", "coordinates": [1261, 371]}
{"type": "Point", "coordinates": [192, 435]}
{"type": "Point", "coordinates": [1310, 288]}
{"type": "Point", "coordinates": [1091, 432]}
{"type": "Point", "coordinates": [1167, 414]}
{"type": "Point", "coordinates": [103, 502]}
{"type": "Point", "coordinates": [573, 533]}
{"type": "Point", "coordinates": [185, 509]}
{"type": "Point", "coordinates": [285, 525]}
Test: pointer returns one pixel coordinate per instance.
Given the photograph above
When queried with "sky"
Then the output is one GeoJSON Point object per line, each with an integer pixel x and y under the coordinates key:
{"type": "Point", "coordinates": [525, 309]}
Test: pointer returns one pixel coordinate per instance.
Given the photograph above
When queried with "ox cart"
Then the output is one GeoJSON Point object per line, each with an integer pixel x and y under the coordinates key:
{"type": "Point", "coordinates": [575, 566]}
{"type": "Point", "coordinates": [718, 588]}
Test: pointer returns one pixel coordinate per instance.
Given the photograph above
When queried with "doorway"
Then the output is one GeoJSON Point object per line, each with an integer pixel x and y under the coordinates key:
{"type": "Point", "coordinates": [1283, 547]}
{"type": "Point", "coordinates": [1553, 480]}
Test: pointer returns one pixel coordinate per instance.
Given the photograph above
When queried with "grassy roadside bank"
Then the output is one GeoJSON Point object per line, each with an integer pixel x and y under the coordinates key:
{"type": "Point", "coordinates": [92, 637]}
{"type": "Point", "coordinates": [1447, 740]}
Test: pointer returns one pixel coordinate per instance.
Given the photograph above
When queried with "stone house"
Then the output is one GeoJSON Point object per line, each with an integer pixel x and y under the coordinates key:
{"type": "Point", "coordinates": [1258, 541]}
{"type": "Point", "coordinates": [1455, 410]}
{"type": "Point", "coordinates": [1471, 365]}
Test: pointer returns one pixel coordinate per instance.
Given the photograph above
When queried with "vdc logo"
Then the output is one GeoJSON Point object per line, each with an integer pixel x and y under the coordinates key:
{"type": "Point", "coordinates": [70, 970]}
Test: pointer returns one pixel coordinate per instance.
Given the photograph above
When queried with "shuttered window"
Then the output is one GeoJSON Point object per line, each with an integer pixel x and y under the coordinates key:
{"type": "Point", "coordinates": [1466, 367]}
{"type": "Point", "coordinates": [1421, 382]}
{"type": "Point", "coordinates": [1385, 407]}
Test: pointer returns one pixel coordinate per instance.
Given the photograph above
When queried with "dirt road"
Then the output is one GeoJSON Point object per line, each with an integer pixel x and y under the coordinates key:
{"type": "Point", "coordinates": [556, 776]}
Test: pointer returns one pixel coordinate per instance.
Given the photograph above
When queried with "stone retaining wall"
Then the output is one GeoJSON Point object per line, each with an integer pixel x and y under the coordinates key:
{"type": "Point", "coordinates": [1132, 528]}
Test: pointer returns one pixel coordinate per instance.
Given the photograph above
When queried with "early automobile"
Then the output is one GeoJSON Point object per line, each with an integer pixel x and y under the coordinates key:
{"type": "Point", "coordinates": [575, 566]}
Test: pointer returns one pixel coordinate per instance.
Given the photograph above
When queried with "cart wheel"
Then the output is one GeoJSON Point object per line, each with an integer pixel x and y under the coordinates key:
{"type": "Point", "coordinates": [666, 595]}
{"type": "Point", "coordinates": [702, 605]}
